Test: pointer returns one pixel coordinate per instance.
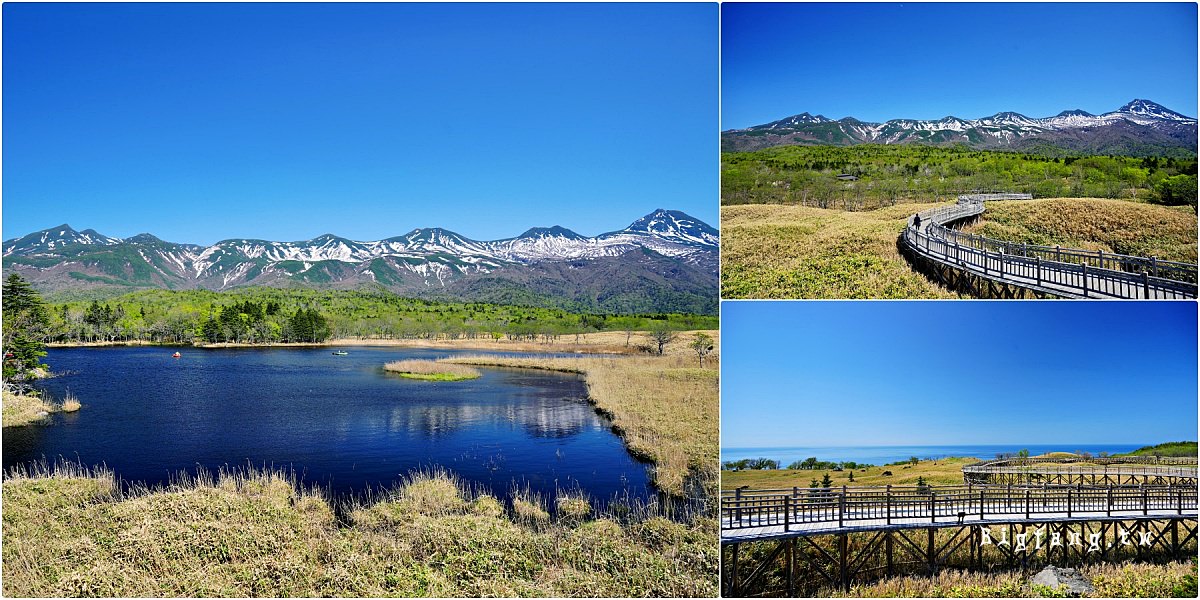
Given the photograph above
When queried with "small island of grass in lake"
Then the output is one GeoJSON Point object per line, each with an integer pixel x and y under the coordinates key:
{"type": "Point", "coordinates": [428, 370]}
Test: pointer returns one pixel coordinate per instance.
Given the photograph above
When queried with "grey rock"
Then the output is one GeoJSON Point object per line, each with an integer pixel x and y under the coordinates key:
{"type": "Point", "coordinates": [1054, 578]}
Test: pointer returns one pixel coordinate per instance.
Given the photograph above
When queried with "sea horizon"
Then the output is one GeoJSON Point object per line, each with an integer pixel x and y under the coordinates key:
{"type": "Point", "coordinates": [880, 455]}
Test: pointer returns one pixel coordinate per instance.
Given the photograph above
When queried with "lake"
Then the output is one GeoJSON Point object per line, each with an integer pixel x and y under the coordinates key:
{"type": "Point", "coordinates": [881, 455]}
{"type": "Point", "coordinates": [338, 421]}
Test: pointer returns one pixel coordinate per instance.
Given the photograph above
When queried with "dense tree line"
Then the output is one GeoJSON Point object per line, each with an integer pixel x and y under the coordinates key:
{"type": "Point", "coordinates": [887, 175]}
{"type": "Point", "coordinates": [267, 315]}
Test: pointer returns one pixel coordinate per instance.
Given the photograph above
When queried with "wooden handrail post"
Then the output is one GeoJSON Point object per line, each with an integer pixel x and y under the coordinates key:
{"type": "Point", "coordinates": [1145, 284]}
{"type": "Point", "coordinates": [1108, 509]}
{"type": "Point", "coordinates": [981, 505]}
{"type": "Point", "coordinates": [1145, 505]}
{"type": "Point", "coordinates": [738, 501]}
{"type": "Point", "coordinates": [889, 504]}
{"type": "Point", "coordinates": [842, 507]}
{"type": "Point", "coordinates": [1038, 260]}
{"type": "Point", "coordinates": [1027, 503]}
{"type": "Point", "coordinates": [1085, 281]}
{"type": "Point", "coordinates": [1068, 503]}
{"type": "Point", "coordinates": [932, 506]}
{"type": "Point", "coordinates": [787, 512]}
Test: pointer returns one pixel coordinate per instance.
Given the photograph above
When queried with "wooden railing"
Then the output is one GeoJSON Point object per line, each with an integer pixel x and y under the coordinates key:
{"type": "Point", "coordinates": [1061, 271]}
{"type": "Point", "coordinates": [839, 507]}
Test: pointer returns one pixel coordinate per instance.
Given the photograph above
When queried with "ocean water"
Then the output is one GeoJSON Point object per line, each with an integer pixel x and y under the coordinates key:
{"type": "Point", "coordinates": [880, 455]}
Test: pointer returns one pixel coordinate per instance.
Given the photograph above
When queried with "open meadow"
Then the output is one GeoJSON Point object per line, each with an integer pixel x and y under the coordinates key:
{"type": "Point", "coordinates": [943, 471]}
{"type": "Point", "coordinates": [259, 534]}
{"type": "Point", "coordinates": [781, 251]}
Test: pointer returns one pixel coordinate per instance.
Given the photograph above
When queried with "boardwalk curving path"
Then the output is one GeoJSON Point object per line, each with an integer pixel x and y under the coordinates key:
{"type": "Point", "coordinates": [1047, 270]}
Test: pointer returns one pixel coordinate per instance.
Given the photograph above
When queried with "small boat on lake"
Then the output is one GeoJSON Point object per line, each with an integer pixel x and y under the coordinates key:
{"type": "Point", "coordinates": [176, 355]}
{"type": "Point", "coordinates": [340, 353]}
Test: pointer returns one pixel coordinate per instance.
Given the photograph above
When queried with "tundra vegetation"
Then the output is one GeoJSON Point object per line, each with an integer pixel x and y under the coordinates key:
{"type": "Point", "coordinates": [269, 315]}
{"type": "Point", "coordinates": [73, 532]}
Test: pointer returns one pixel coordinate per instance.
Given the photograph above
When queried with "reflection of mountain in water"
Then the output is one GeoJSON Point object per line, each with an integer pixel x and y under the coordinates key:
{"type": "Point", "coordinates": [543, 418]}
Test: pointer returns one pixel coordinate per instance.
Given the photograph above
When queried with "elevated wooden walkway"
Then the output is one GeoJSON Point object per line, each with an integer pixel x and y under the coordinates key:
{"type": "Point", "coordinates": [948, 255]}
{"type": "Point", "coordinates": [761, 515]}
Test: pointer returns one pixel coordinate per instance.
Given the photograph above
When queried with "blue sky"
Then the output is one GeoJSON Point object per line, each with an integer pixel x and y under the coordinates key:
{"type": "Point", "coordinates": [816, 373]}
{"type": "Point", "coordinates": [878, 62]}
{"type": "Point", "coordinates": [285, 121]}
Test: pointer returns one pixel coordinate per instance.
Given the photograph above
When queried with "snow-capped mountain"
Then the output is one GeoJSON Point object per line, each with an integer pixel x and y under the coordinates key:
{"type": "Point", "coordinates": [1139, 127]}
{"type": "Point", "coordinates": [430, 261]}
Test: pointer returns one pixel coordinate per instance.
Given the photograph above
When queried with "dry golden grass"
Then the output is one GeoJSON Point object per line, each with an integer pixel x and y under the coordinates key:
{"type": "Point", "coordinates": [601, 342]}
{"type": "Point", "coordinates": [944, 471]}
{"type": "Point", "coordinates": [1118, 226]}
{"type": "Point", "coordinates": [70, 403]}
{"type": "Point", "coordinates": [1128, 580]}
{"type": "Point", "coordinates": [20, 409]}
{"type": "Point", "coordinates": [255, 534]}
{"type": "Point", "coordinates": [665, 408]}
{"type": "Point", "coordinates": [772, 251]}
{"type": "Point", "coordinates": [431, 370]}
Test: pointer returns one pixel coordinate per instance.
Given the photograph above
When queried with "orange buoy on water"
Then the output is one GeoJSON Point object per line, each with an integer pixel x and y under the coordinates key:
{"type": "Point", "coordinates": [176, 355]}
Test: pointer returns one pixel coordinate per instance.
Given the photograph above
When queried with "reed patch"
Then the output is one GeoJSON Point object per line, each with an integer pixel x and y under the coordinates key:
{"type": "Point", "coordinates": [430, 370]}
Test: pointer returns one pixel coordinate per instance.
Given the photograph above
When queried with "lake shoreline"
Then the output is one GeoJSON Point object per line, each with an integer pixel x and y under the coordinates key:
{"type": "Point", "coordinates": [598, 343]}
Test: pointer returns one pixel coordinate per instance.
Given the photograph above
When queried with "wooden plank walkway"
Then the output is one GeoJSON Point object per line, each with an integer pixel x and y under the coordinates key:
{"type": "Point", "coordinates": [1056, 271]}
{"type": "Point", "coordinates": [748, 515]}
{"type": "Point", "coordinates": [776, 532]}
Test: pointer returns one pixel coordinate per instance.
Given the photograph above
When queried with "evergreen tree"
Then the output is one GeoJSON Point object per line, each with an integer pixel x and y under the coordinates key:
{"type": "Point", "coordinates": [25, 327]}
{"type": "Point", "coordinates": [826, 481]}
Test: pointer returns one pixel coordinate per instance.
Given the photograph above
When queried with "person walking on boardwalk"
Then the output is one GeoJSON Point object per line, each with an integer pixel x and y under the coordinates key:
{"type": "Point", "coordinates": [917, 222]}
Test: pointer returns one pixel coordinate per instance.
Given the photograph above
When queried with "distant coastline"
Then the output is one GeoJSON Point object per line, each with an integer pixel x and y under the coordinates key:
{"type": "Point", "coordinates": [880, 455]}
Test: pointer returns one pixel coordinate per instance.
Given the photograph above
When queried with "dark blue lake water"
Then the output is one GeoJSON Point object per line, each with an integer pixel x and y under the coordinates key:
{"type": "Point", "coordinates": [881, 455]}
{"type": "Point", "coordinates": [338, 421]}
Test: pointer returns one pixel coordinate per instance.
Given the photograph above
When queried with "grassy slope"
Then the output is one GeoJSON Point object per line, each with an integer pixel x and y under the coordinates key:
{"type": "Point", "coordinates": [665, 408]}
{"type": "Point", "coordinates": [1096, 224]}
{"type": "Point", "coordinates": [256, 535]}
{"type": "Point", "coordinates": [946, 471]}
{"type": "Point", "coordinates": [1128, 580]}
{"type": "Point", "coordinates": [20, 410]}
{"type": "Point", "coordinates": [1167, 449]}
{"type": "Point", "coordinates": [772, 251]}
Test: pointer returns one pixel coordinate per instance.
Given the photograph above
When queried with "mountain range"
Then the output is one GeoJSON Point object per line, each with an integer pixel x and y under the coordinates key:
{"type": "Point", "coordinates": [665, 261]}
{"type": "Point", "coordinates": [1139, 128]}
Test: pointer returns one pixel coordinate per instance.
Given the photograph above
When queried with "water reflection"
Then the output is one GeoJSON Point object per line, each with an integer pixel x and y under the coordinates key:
{"type": "Point", "coordinates": [341, 421]}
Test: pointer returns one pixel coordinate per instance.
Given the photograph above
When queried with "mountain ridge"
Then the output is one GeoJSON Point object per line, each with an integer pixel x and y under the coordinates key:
{"type": "Point", "coordinates": [1137, 127]}
{"type": "Point", "coordinates": [425, 262]}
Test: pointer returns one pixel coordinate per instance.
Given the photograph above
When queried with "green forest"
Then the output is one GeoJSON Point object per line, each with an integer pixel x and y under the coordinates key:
{"type": "Point", "coordinates": [270, 315]}
{"type": "Point", "coordinates": [888, 175]}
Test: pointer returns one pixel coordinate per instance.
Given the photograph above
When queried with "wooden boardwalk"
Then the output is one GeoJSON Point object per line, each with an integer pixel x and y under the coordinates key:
{"type": "Point", "coordinates": [1044, 270]}
{"type": "Point", "coordinates": [1116, 471]}
{"type": "Point", "coordinates": [755, 515]}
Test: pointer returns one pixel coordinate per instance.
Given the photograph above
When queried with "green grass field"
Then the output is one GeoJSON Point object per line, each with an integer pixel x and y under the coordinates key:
{"type": "Point", "coordinates": [1167, 449]}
